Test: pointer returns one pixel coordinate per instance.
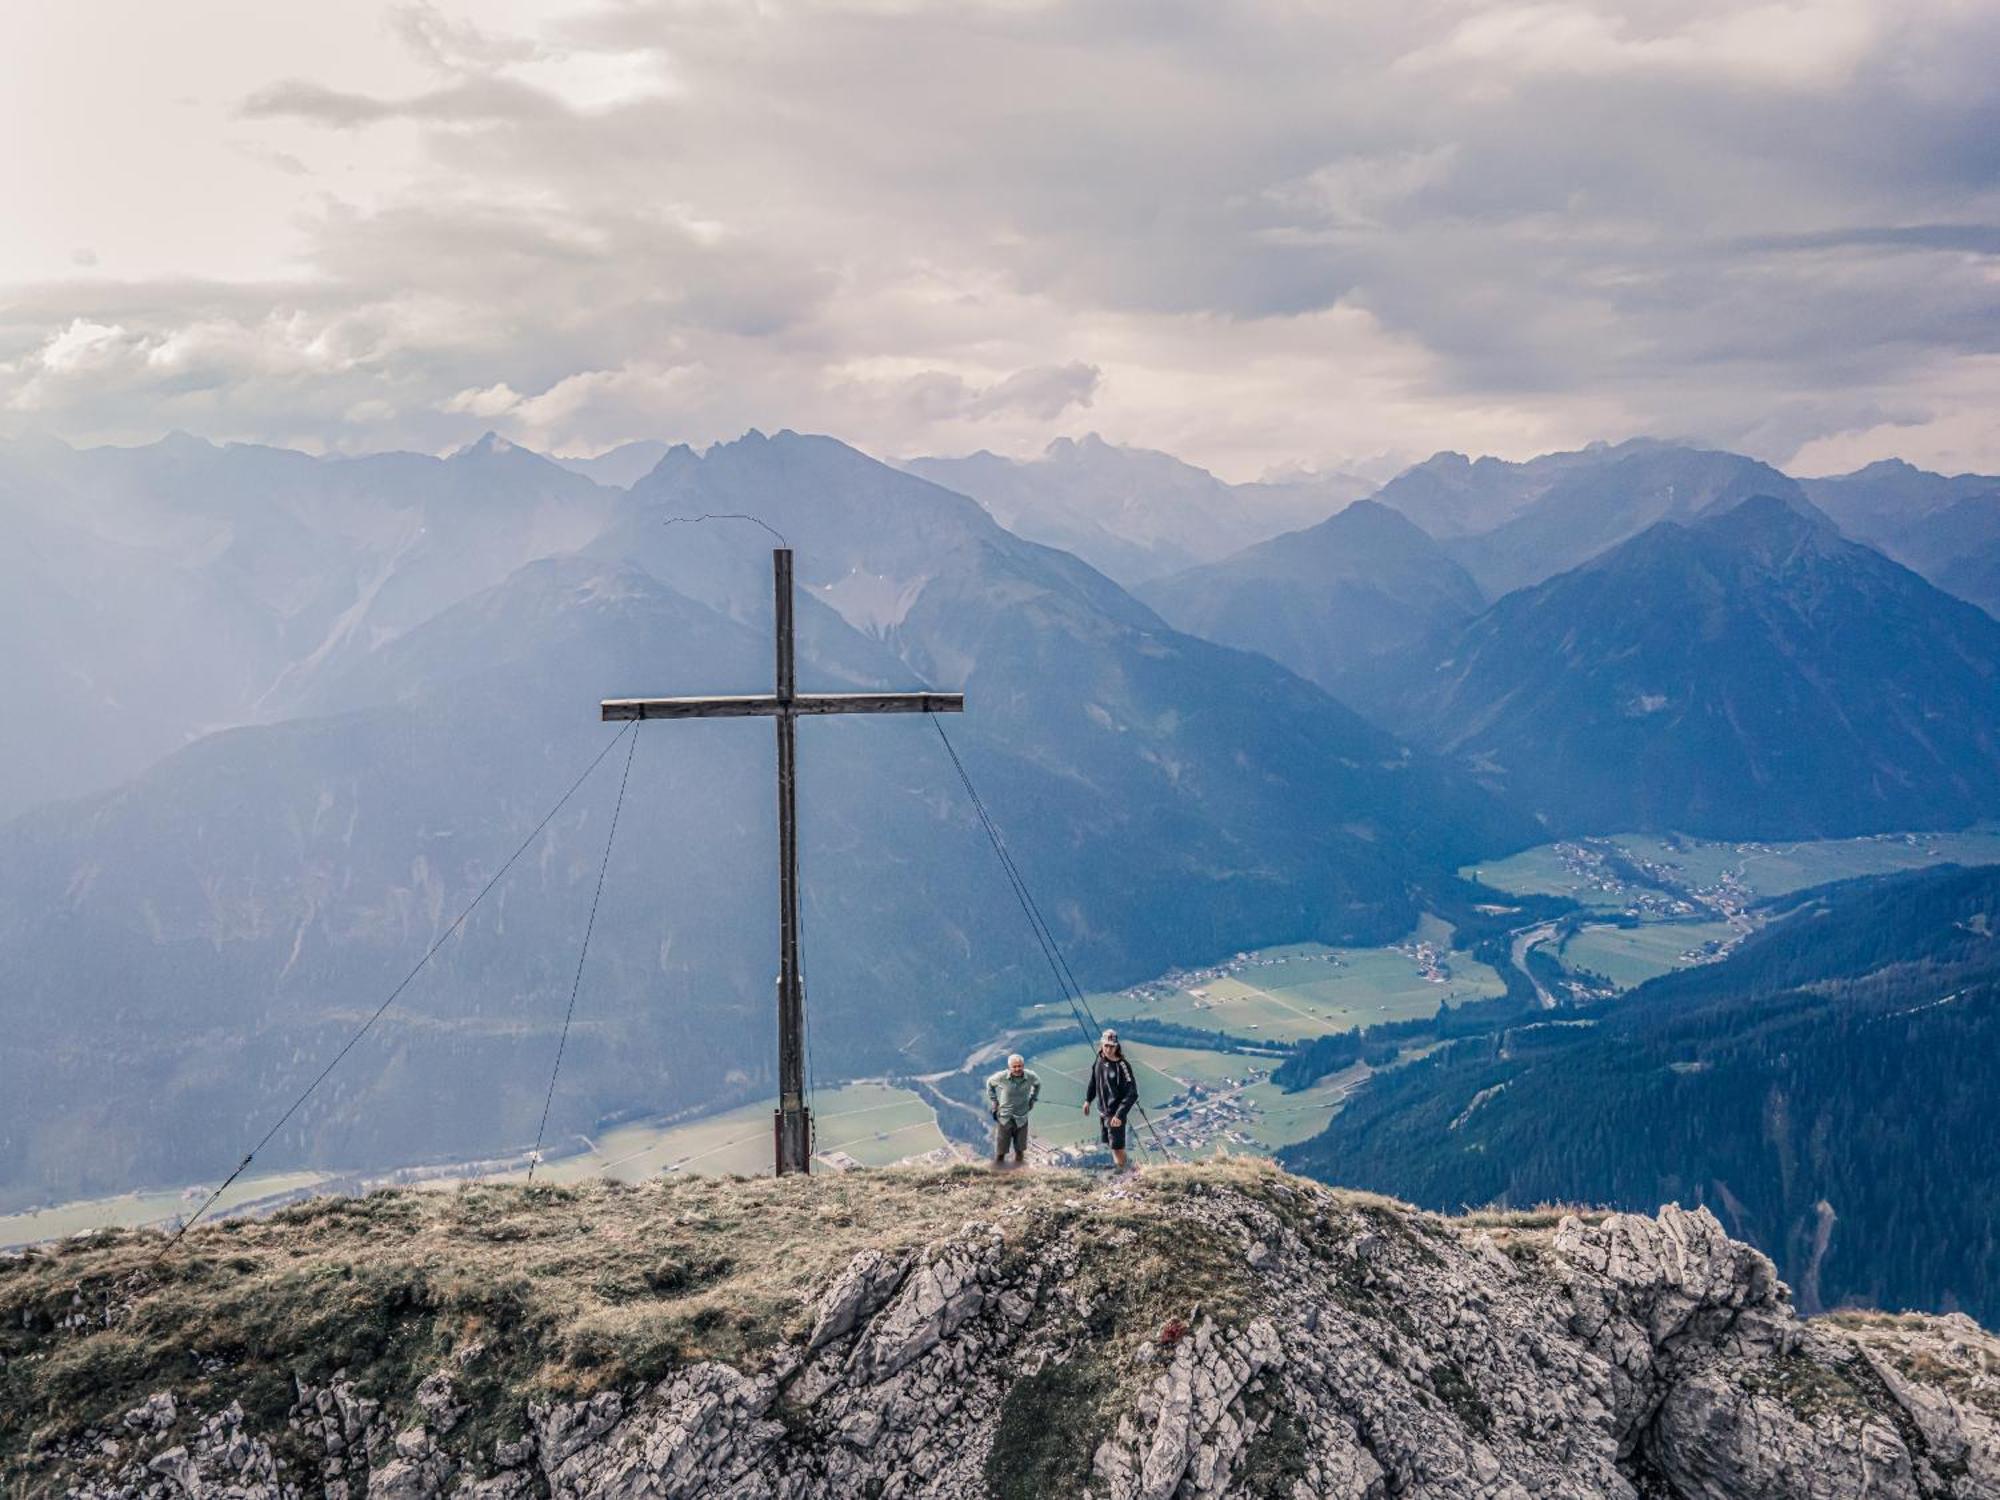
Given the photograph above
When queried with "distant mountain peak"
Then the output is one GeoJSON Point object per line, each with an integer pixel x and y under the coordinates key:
{"type": "Point", "coordinates": [1371, 512]}
{"type": "Point", "coordinates": [1941, 525]}
{"type": "Point", "coordinates": [1514, 524]}
{"type": "Point", "coordinates": [620, 466]}
{"type": "Point", "coordinates": [1645, 444]}
{"type": "Point", "coordinates": [1121, 463]}
{"type": "Point", "coordinates": [1884, 468]}
{"type": "Point", "coordinates": [778, 452]}
{"type": "Point", "coordinates": [1090, 442]}
{"type": "Point", "coordinates": [488, 442]}
{"type": "Point", "coordinates": [1137, 514]}
{"type": "Point", "coordinates": [1765, 512]}
{"type": "Point", "coordinates": [1364, 582]}
{"type": "Point", "coordinates": [180, 440]}
{"type": "Point", "coordinates": [1771, 529]}
{"type": "Point", "coordinates": [495, 454]}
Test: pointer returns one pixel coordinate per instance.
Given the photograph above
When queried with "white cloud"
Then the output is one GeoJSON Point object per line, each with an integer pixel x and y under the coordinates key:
{"type": "Point", "coordinates": [1362, 191]}
{"type": "Point", "coordinates": [85, 346]}
{"type": "Point", "coordinates": [1815, 43]}
{"type": "Point", "coordinates": [1256, 233]}
{"type": "Point", "coordinates": [494, 401]}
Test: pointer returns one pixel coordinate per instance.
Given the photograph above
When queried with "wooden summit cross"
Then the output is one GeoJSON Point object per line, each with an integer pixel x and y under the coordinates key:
{"type": "Point", "coordinates": [793, 1122]}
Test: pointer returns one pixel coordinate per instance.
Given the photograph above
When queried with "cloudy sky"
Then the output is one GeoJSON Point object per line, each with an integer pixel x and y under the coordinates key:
{"type": "Point", "coordinates": [1259, 233]}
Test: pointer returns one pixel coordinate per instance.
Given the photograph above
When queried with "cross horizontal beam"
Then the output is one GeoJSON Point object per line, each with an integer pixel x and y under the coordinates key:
{"type": "Point", "coordinates": [765, 705]}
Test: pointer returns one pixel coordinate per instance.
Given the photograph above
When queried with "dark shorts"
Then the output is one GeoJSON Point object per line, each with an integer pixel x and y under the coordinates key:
{"type": "Point", "coordinates": [1114, 1135]}
{"type": "Point", "coordinates": [1009, 1135]}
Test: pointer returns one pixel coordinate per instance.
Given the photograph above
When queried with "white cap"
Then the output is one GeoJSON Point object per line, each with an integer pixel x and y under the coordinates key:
{"type": "Point", "coordinates": [1109, 1036]}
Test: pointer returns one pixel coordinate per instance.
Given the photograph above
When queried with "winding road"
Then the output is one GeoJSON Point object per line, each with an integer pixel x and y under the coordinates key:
{"type": "Point", "coordinates": [1518, 955]}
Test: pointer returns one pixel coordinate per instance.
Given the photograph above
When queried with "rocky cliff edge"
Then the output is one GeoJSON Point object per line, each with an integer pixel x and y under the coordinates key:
{"type": "Point", "coordinates": [1202, 1331]}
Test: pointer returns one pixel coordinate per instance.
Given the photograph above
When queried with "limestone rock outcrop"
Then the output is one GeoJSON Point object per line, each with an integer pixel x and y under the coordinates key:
{"type": "Point", "coordinates": [1186, 1337]}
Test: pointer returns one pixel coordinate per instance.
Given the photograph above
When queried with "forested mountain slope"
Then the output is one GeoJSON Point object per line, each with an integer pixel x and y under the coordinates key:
{"type": "Point", "coordinates": [1827, 1090]}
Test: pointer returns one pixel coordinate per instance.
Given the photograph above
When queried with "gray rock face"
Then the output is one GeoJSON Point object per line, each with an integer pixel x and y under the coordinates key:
{"type": "Point", "coordinates": [1322, 1346]}
{"type": "Point", "coordinates": [868, 1282]}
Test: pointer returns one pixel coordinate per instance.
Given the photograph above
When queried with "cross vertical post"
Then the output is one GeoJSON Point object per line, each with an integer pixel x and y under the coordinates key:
{"type": "Point", "coordinates": [792, 1121]}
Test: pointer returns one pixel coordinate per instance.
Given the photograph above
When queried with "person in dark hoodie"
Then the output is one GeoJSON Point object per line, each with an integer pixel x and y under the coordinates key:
{"type": "Point", "coordinates": [1114, 1089]}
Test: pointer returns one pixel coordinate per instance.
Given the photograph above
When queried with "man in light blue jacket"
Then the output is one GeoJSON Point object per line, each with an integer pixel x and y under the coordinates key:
{"type": "Point", "coordinates": [1012, 1093]}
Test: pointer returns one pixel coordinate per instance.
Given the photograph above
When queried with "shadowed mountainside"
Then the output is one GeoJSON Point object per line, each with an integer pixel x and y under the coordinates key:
{"type": "Point", "coordinates": [1326, 600]}
{"type": "Point", "coordinates": [1752, 674]}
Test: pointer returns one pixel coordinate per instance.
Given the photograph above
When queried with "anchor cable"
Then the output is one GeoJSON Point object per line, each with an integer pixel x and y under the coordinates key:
{"type": "Point", "coordinates": [382, 1009]}
{"type": "Point", "coordinates": [535, 1156]}
{"type": "Point", "coordinates": [728, 515]}
{"type": "Point", "coordinates": [1043, 939]}
{"type": "Point", "coordinates": [1066, 982]}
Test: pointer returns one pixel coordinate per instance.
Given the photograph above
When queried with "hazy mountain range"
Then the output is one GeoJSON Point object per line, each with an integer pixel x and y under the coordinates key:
{"type": "Point", "coordinates": [1718, 659]}
{"type": "Point", "coordinates": [1131, 513]}
{"type": "Point", "coordinates": [1364, 582]}
{"type": "Point", "coordinates": [1579, 504]}
{"type": "Point", "coordinates": [238, 906]}
{"type": "Point", "coordinates": [277, 718]}
{"type": "Point", "coordinates": [1946, 527]}
{"type": "Point", "coordinates": [148, 595]}
{"type": "Point", "coordinates": [620, 467]}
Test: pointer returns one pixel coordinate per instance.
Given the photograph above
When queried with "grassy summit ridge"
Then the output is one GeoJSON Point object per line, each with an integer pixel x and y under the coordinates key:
{"type": "Point", "coordinates": [576, 1289]}
{"type": "Point", "coordinates": [1197, 1332]}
